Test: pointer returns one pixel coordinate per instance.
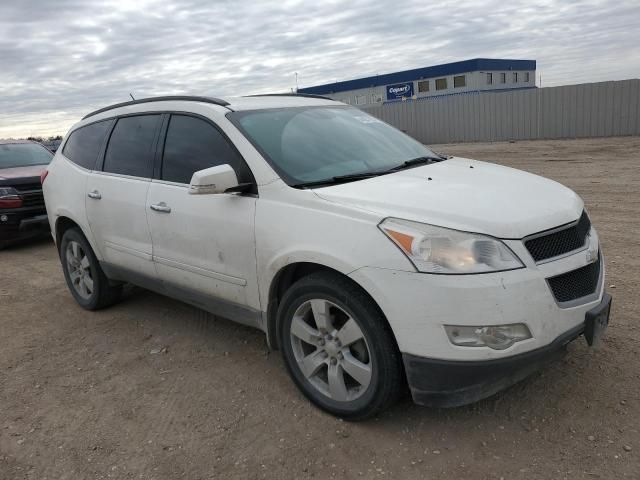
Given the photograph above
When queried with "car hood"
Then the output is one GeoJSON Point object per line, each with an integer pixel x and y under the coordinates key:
{"type": "Point", "coordinates": [466, 195]}
{"type": "Point", "coordinates": [21, 172]}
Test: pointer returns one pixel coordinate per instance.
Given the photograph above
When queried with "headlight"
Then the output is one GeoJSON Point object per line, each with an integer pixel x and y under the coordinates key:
{"type": "Point", "coordinates": [9, 198]}
{"type": "Point", "coordinates": [441, 250]}
{"type": "Point", "coordinates": [8, 191]}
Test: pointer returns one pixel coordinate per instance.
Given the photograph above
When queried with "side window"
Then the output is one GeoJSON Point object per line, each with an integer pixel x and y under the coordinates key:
{"type": "Point", "coordinates": [193, 144]}
{"type": "Point", "coordinates": [84, 144]}
{"type": "Point", "coordinates": [130, 149]}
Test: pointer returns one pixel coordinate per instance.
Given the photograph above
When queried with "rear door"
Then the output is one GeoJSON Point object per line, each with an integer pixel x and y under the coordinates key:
{"type": "Point", "coordinates": [117, 194]}
{"type": "Point", "coordinates": [203, 245]}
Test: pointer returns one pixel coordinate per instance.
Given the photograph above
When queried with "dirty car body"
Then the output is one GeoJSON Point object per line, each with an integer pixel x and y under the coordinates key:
{"type": "Point", "coordinates": [367, 258]}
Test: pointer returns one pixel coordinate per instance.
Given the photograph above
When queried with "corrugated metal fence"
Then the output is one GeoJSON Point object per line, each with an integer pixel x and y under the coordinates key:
{"type": "Point", "coordinates": [587, 110]}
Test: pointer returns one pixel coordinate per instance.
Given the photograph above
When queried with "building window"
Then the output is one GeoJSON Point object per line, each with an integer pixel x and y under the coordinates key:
{"type": "Point", "coordinates": [503, 78]}
{"type": "Point", "coordinates": [375, 98]}
{"type": "Point", "coordinates": [441, 83]}
{"type": "Point", "coordinates": [459, 81]}
{"type": "Point", "coordinates": [423, 86]}
{"type": "Point", "coordinates": [361, 100]}
{"type": "Point", "coordinates": [489, 78]}
{"type": "Point", "coordinates": [515, 77]}
{"type": "Point", "coordinates": [526, 77]}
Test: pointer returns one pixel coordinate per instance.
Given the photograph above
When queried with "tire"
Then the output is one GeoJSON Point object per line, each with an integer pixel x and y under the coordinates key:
{"type": "Point", "coordinates": [338, 347]}
{"type": "Point", "coordinates": [86, 281]}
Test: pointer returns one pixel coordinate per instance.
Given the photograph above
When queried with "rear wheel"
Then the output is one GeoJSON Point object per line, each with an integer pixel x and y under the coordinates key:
{"type": "Point", "coordinates": [87, 282]}
{"type": "Point", "coordinates": [338, 347]}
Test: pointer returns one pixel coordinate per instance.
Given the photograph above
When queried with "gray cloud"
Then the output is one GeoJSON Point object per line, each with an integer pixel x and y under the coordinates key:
{"type": "Point", "coordinates": [60, 59]}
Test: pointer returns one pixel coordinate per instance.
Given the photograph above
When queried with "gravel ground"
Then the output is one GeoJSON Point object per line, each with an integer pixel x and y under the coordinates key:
{"type": "Point", "coordinates": [152, 388]}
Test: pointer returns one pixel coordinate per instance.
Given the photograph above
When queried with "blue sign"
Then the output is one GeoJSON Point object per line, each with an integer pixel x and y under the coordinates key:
{"type": "Point", "coordinates": [396, 92]}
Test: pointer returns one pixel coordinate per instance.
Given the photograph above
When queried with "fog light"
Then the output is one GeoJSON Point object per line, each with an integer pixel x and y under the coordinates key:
{"type": "Point", "coordinates": [3, 218]}
{"type": "Point", "coordinates": [497, 337]}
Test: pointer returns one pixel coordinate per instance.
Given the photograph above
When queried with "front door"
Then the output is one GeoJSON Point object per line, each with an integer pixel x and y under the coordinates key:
{"type": "Point", "coordinates": [203, 245]}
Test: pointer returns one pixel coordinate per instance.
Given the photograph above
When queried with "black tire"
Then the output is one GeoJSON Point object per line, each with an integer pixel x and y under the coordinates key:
{"type": "Point", "coordinates": [386, 378]}
{"type": "Point", "coordinates": [103, 294]}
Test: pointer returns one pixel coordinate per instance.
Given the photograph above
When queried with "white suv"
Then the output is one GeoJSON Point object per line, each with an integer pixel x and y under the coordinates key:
{"type": "Point", "coordinates": [369, 260]}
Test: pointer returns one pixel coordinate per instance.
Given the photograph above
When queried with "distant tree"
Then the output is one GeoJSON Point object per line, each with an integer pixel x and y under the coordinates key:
{"type": "Point", "coordinates": [36, 139]}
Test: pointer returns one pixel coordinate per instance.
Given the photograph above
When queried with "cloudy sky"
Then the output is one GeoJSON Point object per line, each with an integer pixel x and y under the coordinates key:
{"type": "Point", "coordinates": [59, 59]}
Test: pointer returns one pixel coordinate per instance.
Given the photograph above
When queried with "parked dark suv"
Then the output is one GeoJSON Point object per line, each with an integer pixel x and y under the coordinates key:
{"type": "Point", "coordinates": [22, 210]}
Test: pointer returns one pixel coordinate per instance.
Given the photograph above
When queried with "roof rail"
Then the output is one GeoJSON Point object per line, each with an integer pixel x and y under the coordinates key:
{"type": "Point", "coordinates": [215, 101]}
{"type": "Point", "coordinates": [305, 95]}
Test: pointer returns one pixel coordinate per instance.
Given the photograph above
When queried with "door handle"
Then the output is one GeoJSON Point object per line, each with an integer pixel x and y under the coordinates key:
{"type": "Point", "coordinates": [160, 207]}
{"type": "Point", "coordinates": [95, 194]}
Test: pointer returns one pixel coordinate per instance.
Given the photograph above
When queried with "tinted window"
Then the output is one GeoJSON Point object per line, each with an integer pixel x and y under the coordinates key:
{"type": "Point", "coordinates": [130, 149]}
{"type": "Point", "coordinates": [84, 144]}
{"type": "Point", "coordinates": [193, 144]}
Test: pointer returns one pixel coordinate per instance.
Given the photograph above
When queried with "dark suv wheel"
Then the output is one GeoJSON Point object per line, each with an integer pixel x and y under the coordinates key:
{"type": "Point", "coordinates": [338, 347]}
{"type": "Point", "coordinates": [87, 282]}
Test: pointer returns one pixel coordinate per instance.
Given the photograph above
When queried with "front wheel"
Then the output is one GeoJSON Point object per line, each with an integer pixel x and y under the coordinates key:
{"type": "Point", "coordinates": [87, 282]}
{"type": "Point", "coordinates": [338, 347]}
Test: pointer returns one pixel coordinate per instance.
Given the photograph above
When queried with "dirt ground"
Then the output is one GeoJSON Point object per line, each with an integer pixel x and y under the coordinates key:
{"type": "Point", "coordinates": [154, 389]}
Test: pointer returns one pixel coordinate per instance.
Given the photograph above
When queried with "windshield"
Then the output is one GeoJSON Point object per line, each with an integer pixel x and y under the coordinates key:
{"type": "Point", "coordinates": [23, 155]}
{"type": "Point", "coordinates": [313, 144]}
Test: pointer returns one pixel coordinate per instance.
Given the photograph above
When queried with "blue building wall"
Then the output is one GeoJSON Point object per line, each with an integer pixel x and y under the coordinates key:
{"type": "Point", "coordinates": [473, 65]}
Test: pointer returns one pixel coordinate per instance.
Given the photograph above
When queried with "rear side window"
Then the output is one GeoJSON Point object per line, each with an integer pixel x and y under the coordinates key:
{"type": "Point", "coordinates": [130, 150]}
{"type": "Point", "coordinates": [84, 144]}
{"type": "Point", "coordinates": [193, 144]}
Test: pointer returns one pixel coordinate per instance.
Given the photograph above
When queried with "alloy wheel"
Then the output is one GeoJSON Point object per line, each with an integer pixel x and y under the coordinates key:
{"type": "Point", "coordinates": [79, 269]}
{"type": "Point", "coordinates": [331, 350]}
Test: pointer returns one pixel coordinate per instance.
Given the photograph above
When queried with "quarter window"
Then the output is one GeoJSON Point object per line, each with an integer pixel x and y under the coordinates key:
{"type": "Point", "coordinates": [423, 86]}
{"type": "Point", "coordinates": [459, 81]}
{"type": "Point", "coordinates": [193, 144]}
{"type": "Point", "coordinates": [441, 83]}
{"type": "Point", "coordinates": [84, 144]}
{"type": "Point", "coordinates": [131, 147]}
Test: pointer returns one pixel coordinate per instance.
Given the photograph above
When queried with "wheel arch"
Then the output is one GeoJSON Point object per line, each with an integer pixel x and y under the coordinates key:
{"type": "Point", "coordinates": [286, 277]}
{"type": "Point", "coordinates": [64, 223]}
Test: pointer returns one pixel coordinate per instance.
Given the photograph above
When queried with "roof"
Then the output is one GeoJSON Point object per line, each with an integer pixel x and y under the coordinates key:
{"type": "Point", "coordinates": [476, 64]}
{"type": "Point", "coordinates": [253, 102]}
{"type": "Point", "coordinates": [260, 102]}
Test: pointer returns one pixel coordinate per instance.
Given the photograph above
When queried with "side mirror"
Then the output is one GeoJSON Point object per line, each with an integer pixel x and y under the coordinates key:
{"type": "Point", "coordinates": [218, 179]}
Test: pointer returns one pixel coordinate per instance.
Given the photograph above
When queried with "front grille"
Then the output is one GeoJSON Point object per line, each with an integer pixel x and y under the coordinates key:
{"type": "Point", "coordinates": [576, 283]}
{"type": "Point", "coordinates": [561, 241]}
{"type": "Point", "coordinates": [32, 199]}
{"type": "Point", "coordinates": [28, 187]}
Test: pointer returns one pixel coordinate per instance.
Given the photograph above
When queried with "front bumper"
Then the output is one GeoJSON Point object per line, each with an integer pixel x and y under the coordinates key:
{"type": "Point", "coordinates": [447, 383]}
{"type": "Point", "coordinates": [23, 223]}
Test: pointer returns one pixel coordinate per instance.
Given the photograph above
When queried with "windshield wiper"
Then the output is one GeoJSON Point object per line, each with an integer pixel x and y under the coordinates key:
{"type": "Point", "coordinates": [340, 179]}
{"type": "Point", "coordinates": [359, 176]}
{"type": "Point", "coordinates": [417, 161]}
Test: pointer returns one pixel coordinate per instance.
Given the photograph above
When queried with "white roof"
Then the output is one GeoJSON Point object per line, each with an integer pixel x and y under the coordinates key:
{"type": "Point", "coordinates": [275, 101]}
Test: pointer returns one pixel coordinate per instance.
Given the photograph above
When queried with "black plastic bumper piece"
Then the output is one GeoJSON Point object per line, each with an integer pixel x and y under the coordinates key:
{"type": "Point", "coordinates": [23, 224]}
{"type": "Point", "coordinates": [448, 383]}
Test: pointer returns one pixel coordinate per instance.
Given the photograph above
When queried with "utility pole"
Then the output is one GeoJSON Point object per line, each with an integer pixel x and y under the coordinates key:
{"type": "Point", "coordinates": [296, 73]}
